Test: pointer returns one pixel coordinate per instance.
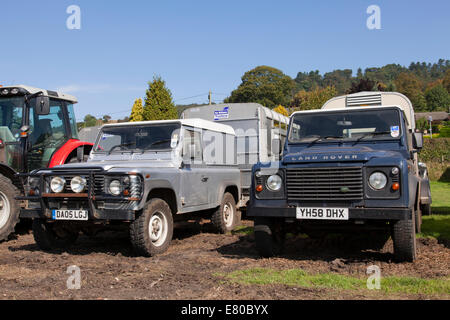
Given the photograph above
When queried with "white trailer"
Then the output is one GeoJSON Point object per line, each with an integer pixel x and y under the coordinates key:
{"type": "Point", "coordinates": [260, 132]}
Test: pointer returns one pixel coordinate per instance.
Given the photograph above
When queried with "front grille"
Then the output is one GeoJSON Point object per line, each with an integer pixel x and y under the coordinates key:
{"type": "Point", "coordinates": [99, 184]}
{"type": "Point", "coordinates": [318, 184]}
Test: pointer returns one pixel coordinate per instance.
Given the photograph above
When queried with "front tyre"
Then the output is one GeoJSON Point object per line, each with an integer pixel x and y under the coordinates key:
{"type": "Point", "coordinates": [404, 238]}
{"type": "Point", "coordinates": [152, 231]}
{"type": "Point", "coordinates": [50, 236]}
{"type": "Point", "coordinates": [269, 237]}
{"type": "Point", "coordinates": [9, 207]}
{"type": "Point", "coordinates": [226, 217]}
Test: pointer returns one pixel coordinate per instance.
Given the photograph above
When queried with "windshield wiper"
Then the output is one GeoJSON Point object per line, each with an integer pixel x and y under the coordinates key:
{"type": "Point", "coordinates": [371, 134]}
{"type": "Point", "coordinates": [325, 138]}
{"type": "Point", "coordinates": [120, 146]}
{"type": "Point", "coordinates": [160, 142]}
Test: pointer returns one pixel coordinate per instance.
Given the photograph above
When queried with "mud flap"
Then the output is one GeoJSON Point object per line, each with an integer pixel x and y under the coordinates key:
{"type": "Point", "coordinates": [425, 192]}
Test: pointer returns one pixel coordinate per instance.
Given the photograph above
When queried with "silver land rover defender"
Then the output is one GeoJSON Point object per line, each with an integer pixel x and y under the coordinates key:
{"type": "Point", "coordinates": [140, 176]}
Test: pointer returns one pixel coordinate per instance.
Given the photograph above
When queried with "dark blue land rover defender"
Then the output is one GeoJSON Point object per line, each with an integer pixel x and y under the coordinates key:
{"type": "Point", "coordinates": [352, 165]}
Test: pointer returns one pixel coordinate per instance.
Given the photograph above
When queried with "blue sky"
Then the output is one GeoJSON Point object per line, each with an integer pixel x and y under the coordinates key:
{"type": "Point", "coordinates": [201, 45]}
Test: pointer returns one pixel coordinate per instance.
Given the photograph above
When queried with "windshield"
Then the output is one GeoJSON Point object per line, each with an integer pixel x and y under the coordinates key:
{"type": "Point", "coordinates": [138, 138]}
{"type": "Point", "coordinates": [345, 125]}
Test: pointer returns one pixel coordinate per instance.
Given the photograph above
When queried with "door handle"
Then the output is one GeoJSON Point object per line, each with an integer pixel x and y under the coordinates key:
{"type": "Point", "coordinates": [204, 179]}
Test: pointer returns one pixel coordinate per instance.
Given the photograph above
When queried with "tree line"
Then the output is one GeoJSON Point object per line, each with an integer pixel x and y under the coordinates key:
{"type": "Point", "coordinates": [427, 85]}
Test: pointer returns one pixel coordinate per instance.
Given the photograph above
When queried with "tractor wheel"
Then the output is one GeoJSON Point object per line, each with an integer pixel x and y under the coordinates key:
{"type": "Point", "coordinates": [9, 207]}
{"type": "Point", "coordinates": [75, 159]}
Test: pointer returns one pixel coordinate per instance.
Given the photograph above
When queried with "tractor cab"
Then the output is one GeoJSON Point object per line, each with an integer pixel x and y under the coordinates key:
{"type": "Point", "coordinates": [37, 130]}
{"type": "Point", "coordinates": [34, 124]}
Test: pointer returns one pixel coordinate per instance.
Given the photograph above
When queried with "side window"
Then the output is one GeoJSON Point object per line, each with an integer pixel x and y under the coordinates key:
{"type": "Point", "coordinates": [192, 146]}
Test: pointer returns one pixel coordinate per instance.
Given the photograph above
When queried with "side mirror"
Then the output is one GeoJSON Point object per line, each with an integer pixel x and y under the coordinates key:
{"type": "Point", "coordinates": [417, 140]}
{"type": "Point", "coordinates": [42, 106]}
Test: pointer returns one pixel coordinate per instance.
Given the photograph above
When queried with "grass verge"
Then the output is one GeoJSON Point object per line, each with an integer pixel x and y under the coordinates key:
{"type": "Point", "coordinates": [440, 193]}
{"type": "Point", "coordinates": [300, 278]}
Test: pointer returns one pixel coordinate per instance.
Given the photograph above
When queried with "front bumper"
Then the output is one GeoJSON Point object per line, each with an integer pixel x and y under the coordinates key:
{"type": "Point", "coordinates": [354, 213]}
{"type": "Point", "coordinates": [43, 205]}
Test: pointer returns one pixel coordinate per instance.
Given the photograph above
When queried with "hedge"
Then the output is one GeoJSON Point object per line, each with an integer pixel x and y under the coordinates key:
{"type": "Point", "coordinates": [436, 150]}
{"type": "Point", "coordinates": [436, 154]}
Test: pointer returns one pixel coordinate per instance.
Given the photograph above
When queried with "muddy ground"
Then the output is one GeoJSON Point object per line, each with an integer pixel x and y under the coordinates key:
{"type": "Point", "coordinates": [188, 270]}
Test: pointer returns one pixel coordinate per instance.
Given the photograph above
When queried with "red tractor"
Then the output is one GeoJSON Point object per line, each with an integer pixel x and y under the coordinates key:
{"type": "Point", "coordinates": [37, 129]}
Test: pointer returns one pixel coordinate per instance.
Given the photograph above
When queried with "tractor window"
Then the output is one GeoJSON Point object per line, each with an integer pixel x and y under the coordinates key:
{"type": "Point", "coordinates": [73, 121]}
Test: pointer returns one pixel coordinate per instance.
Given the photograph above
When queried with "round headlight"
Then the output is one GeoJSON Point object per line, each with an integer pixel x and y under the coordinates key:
{"type": "Point", "coordinates": [77, 184]}
{"type": "Point", "coordinates": [274, 183]}
{"type": "Point", "coordinates": [57, 184]}
{"type": "Point", "coordinates": [378, 180]}
{"type": "Point", "coordinates": [14, 91]}
{"type": "Point", "coordinates": [114, 187]}
{"type": "Point", "coordinates": [5, 91]}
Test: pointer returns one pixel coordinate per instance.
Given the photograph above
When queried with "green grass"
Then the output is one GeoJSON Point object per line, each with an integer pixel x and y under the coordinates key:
{"type": "Point", "coordinates": [440, 193]}
{"type": "Point", "coordinates": [242, 230]}
{"type": "Point", "coordinates": [300, 278]}
{"type": "Point", "coordinates": [436, 226]}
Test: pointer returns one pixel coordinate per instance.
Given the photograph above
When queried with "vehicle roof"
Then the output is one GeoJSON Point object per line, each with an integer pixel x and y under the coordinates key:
{"type": "Point", "coordinates": [237, 111]}
{"type": "Point", "coordinates": [196, 123]}
{"type": "Point", "coordinates": [49, 93]}
{"type": "Point", "coordinates": [346, 109]}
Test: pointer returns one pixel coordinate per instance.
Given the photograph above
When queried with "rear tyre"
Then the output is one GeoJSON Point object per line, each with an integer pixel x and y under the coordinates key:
{"type": "Point", "coordinates": [9, 207]}
{"type": "Point", "coordinates": [404, 238]}
{"type": "Point", "coordinates": [152, 231]}
{"type": "Point", "coordinates": [226, 217]}
{"type": "Point", "coordinates": [269, 237]}
{"type": "Point", "coordinates": [426, 209]}
{"type": "Point", "coordinates": [49, 236]}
